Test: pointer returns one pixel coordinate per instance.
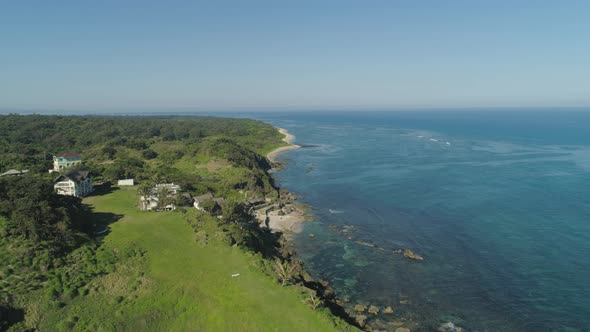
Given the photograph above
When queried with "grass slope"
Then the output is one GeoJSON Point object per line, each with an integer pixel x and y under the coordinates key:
{"type": "Point", "coordinates": [179, 285]}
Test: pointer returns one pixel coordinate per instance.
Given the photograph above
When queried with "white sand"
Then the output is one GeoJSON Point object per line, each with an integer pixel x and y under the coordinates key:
{"type": "Point", "coordinates": [289, 138]}
{"type": "Point", "coordinates": [287, 224]}
{"type": "Point", "coordinates": [290, 223]}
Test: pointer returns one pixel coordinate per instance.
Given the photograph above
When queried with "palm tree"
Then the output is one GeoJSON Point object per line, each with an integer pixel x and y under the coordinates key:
{"type": "Point", "coordinates": [145, 191]}
{"type": "Point", "coordinates": [164, 197]}
{"type": "Point", "coordinates": [285, 270]}
{"type": "Point", "coordinates": [314, 301]}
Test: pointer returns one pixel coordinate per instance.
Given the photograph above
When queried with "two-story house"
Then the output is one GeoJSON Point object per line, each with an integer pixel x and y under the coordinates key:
{"type": "Point", "coordinates": [66, 160]}
{"type": "Point", "coordinates": [76, 183]}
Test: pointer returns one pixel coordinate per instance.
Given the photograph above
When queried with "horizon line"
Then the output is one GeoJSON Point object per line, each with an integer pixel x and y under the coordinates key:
{"type": "Point", "coordinates": [278, 109]}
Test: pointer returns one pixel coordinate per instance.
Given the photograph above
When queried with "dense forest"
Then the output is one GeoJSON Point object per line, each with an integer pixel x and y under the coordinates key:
{"type": "Point", "coordinates": [48, 252]}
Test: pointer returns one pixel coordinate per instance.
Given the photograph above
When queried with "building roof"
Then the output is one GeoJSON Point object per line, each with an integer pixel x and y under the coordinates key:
{"type": "Point", "coordinates": [205, 197]}
{"type": "Point", "coordinates": [76, 175]}
{"type": "Point", "coordinates": [170, 186]}
{"type": "Point", "coordinates": [69, 155]}
{"type": "Point", "coordinates": [14, 172]}
{"type": "Point", "coordinates": [256, 200]}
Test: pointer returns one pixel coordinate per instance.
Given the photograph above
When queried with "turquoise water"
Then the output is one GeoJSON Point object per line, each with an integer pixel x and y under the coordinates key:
{"type": "Point", "coordinates": [497, 202]}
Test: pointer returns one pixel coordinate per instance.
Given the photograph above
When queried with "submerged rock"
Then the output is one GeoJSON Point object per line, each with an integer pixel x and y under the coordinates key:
{"type": "Point", "coordinates": [361, 320]}
{"type": "Point", "coordinates": [373, 310]}
{"type": "Point", "coordinates": [388, 310]}
{"type": "Point", "coordinates": [402, 329]}
{"type": "Point", "coordinates": [360, 308]}
{"type": "Point", "coordinates": [449, 327]}
{"type": "Point", "coordinates": [411, 255]}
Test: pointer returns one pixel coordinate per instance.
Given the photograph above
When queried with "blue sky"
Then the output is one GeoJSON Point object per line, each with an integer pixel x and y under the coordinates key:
{"type": "Point", "coordinates": [133, 55]}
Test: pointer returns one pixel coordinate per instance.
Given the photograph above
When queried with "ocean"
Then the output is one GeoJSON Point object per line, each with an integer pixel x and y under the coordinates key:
{"type": "Point", "coordinates": [496, 201]}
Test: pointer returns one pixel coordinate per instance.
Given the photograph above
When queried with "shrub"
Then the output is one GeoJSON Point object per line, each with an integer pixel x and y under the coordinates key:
{"type": "Point", "coordinates": [149, 154]}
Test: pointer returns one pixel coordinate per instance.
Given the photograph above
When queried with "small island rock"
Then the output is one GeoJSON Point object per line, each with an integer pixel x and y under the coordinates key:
{"type": "Point", "coordinates": [360, 308]}
{"type": "Point", "coordinates": [373, 310]}
{"type": "Point", "coordinates": [411, 255]}
{"type": "Point", "coordinates": [361, 320]}
{"type": "Point", "coordinates": [388, 310]}
{"type": "Point", "coordinates": [449, 327]}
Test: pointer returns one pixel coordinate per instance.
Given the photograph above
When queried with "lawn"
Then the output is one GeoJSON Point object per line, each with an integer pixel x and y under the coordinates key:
{"type": "Point", "coordinates": [178, 284]}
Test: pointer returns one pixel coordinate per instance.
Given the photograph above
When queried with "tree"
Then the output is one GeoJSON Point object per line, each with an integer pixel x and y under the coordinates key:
{"type": "Point", "coordinates": [313, 301]}
{"type": "Point", "coordinates": [210, 206]}
{"type": "Point", "coordinates": [36, 212]}
{"type": "Point", "coordinates": [285, 270]}
{"type": "Point", "coordinates": [145, 191]}
{"type": "Point", "coordinates": [235, 213]}
{"type": "Point", "coordinates": [149, 154]}
{"type": "Point", "coordinates": [164, 198]}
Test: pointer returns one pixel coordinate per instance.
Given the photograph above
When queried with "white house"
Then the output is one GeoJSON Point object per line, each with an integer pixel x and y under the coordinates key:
{"type": "Point", "coordinates": [151, 202]}
{"type": "Point", "coordinates": [77, 183]}
{"type": "Point", "coordinates": [171, 187]}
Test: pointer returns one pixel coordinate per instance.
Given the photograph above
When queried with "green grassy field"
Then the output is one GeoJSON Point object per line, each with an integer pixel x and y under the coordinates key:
{"type": "Point", "coordinates": [180, 285]}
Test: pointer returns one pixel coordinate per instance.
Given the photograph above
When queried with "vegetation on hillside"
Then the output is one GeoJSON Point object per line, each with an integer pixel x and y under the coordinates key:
{"type": "Point", "coordinates": [149, 272]}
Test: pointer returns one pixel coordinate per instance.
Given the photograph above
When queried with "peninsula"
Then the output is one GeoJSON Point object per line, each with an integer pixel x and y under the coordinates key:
{"type": "Point", "coordinates": [163, 236]}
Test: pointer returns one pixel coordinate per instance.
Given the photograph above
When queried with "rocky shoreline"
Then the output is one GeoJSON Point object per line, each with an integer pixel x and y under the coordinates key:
{"type": "Point", "coordinates": [286, 217]}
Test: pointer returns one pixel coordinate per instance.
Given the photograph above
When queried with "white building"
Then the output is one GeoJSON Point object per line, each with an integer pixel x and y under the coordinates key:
{"type": "Point", "coordinates": [151, 202]}
{"type": "Point", "coordinates": [65, 161]}
{"type": "Point", "coordinates": [126, 182]}
{"type": "Point", "coordinates": [14, 172]}
{"type": "Point", "coordinates": [171, 187]}
{"type": "Point", "coordinates": [200, 199]}
{"type": "Point", "coordinates": [208, 196]}
{"type": "Point", "coordinates": [75, 183]}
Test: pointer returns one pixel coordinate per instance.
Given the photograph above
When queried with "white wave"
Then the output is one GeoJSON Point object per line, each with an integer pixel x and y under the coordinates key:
{"type": "Point", "coordinates": [448, 143]}
{"type": "Point", "coordinates": [332, 211]}
{"type": "Point", "coordinates": [433, 139]}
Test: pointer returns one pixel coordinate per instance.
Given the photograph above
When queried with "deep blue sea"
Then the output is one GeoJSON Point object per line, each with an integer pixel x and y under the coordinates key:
{"type": "Point", "coordinates": [497, 201]}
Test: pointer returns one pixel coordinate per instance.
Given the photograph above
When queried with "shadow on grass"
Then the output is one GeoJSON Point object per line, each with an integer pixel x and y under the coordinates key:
{"type": "Point", "coordinates": [105, 218]}
{"type": "Point", "coordinates": [10, 316]}
{"type": "Point", "coordinates": [103, 189]}
{"type": "Point", "coordinates": [101, 222]}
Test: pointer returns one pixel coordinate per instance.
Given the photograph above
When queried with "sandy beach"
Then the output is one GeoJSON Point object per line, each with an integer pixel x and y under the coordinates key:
{"type": "Point", "coordinates": [289, 218]}
{"type": "Point", "coordinates": [289, 138]}
{"type": "Point", "coordinates": [290, 222]}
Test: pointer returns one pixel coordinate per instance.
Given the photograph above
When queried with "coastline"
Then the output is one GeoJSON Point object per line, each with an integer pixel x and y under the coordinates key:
{"type": "Point", "coordinates": [286, 217]}
{"type": "Point", "coordinates": [289, 138]}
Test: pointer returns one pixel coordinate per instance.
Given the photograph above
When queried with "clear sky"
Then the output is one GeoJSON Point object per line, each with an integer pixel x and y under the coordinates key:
{"type": "Point", "coordinates": [118, 55]}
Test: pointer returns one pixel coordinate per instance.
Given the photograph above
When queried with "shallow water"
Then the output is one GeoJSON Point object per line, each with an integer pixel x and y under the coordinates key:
{"type": "Point", "coordinates": [497, 202]}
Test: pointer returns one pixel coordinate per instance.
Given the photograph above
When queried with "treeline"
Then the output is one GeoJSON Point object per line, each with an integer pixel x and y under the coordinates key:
{"type": "Point", "coordinates": [31, 140]}
{"type": "Point", "coordinates": [34, 211]}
